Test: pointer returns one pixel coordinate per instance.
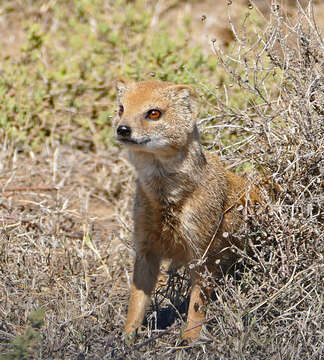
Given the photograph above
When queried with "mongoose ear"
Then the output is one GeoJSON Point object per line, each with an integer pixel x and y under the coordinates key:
{"type": "Point", "coordinates": [184, 95]}
{"type": "Point", "coordinates": [122, 85]}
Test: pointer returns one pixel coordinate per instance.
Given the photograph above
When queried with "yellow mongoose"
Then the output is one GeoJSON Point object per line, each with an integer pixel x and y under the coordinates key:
{"type": "Point", "coordinates": [186, 204]}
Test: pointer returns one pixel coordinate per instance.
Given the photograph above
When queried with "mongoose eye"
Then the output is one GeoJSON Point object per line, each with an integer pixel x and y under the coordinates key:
{"type": "Point", "coordinates": [121, 110]}
{"type": "Point", "coordinates": [154, 114]}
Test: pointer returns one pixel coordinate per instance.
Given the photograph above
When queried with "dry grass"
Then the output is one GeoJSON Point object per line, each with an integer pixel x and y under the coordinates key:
{"type": "Point", "coordinates": [65, 249]}
{"type": "Point", "coordinates": [61, 249]}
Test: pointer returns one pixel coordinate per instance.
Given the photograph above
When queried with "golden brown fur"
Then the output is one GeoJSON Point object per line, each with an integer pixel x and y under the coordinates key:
{"type": "Point", "coordinates": [186, 203]}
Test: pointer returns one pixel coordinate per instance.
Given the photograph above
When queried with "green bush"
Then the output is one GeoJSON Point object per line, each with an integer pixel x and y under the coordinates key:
{"type": "Point", "coordinates": [26, 346]}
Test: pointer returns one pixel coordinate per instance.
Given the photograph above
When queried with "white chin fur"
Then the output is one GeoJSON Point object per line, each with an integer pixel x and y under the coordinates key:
{"type": "Point", "coordinates": [151, 145]}
{"type": "Point", "coordinates": [157, 143]}
{"type": "Point", "coordinates": [148, 144]}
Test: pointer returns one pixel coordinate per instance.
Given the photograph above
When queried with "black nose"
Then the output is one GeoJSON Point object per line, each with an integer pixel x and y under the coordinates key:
{"type": "Point", "coordinates": [124, 131]}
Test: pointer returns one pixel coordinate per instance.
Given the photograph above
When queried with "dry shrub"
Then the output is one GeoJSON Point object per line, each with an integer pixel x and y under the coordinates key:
{"type": "Point", "coordinates": [275, 309]}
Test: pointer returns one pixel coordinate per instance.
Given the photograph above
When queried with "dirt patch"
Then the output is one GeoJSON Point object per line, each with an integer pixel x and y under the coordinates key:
{"type": "Point", "coordinates": [67, 185]}
{"type": "Point", "coordinates": [12, 33]}
{"type": "Point", "coordinates": [215, 20]}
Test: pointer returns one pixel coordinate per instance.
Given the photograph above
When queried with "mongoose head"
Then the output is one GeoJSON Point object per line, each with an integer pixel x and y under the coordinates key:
{"type": "Point", "coordinates": [154, 116]}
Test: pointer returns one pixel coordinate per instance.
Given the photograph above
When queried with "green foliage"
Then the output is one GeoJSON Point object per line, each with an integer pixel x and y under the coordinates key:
{"type": "Point", "coordinates": [26, 346]}
{"type": "Point", "coordinates": [59, 86]}
{"type": "Point", "coordinates": [34, 37]}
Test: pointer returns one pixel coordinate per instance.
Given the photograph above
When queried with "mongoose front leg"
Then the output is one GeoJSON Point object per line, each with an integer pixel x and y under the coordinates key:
{"type": "Point", "coordinates": [146, 270]}
{"type": "Point", "coordinates": [196, 315]}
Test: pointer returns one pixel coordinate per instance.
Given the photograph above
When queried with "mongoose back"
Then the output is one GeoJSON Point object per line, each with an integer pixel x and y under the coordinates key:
{"type": "Point", "coordinates": [186, 205]}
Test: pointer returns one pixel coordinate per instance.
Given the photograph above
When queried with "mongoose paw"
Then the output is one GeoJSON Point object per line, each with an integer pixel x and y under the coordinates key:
{"type": "Point", "coordinates": [191, 333]}
{"type": "Point", "coordinates": [129, 338]}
